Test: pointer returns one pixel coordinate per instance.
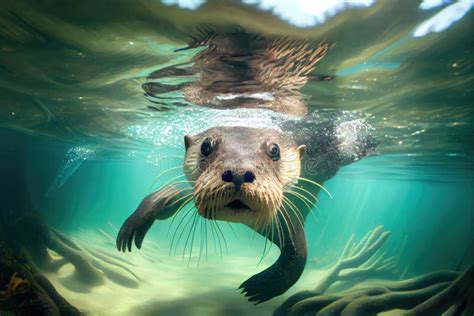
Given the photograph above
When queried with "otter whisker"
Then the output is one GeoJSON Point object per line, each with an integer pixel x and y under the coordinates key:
{"type": "Point", "coordinates": [232, 229]}
{"type": "Point", "coordinates": [313, 204]}
{"type": "Point", "coordinates": [289, 221]}
{"type": "Point", "coordinates": [284, 214]}
{"type": "Point", "coordinates": [188, 211]}
{"type": "Point", "coordinates": [182, 231]}
{"type": "Point", "coordinates": [190, 162]}
{"type": "Point", "coordinates": [203, 222]}
{"type": "Point", "coordinates": [189, 198]}
{"type": "Point", "coordinates": [218, 238]}
{"type": "Point", "coordinates": [198, 218]}
{"type": "Point", "coordinates": [186, 197]}
{"type": "Point", "coordinates": [271, 231]}
{"type": "Point", "coordinates": [264, 253]}
{"type": "Point", "coordinates": [175, 178]}
{"type": "Point", "coordinates": [178, 182]}
{"type": "Point", "coordinates": [163, 173]}
{"type": "Point", "coordinates": [182, 190]}
{"type": "Point", "coordinates": [316, 200]}
{"type": "Point", "coordinates": [256, 227]}
{"type": "Point", "coordinates": [316, 184]}
{"type": "Point", "coordinates": [205, 231]}
{"type": "Point", "coordinates": [276, 224]}
{"type": "Point", "coordinates": [189, 236]}
{"type": "Point", "coordinates": [199, 201]}
{"type": "Point", "coordinates": [171, 156]}
{"type": "Point", "coordinates": [274, 195]}
{"type": "Point", "coordinates": [223, 237]}
{"type": "Point", "coordinates": [213, 235]}
{"type": "Point", "coordinates": [299, 197]}
{"type": "Point", "coordinates": [201, 240]}
{"type": "Point", "coordinates": [279, 230]}
{"type": "Point", "coordinates": [192, 171]}
{"type": "Point", "coordinates": [294, 209]}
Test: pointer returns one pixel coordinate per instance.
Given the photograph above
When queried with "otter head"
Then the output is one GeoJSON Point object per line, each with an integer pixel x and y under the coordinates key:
{"type": "Point", "coordinates": [240, 174]}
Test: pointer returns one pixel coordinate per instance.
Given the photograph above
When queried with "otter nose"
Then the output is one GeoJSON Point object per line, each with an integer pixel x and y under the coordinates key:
{"type": "Point", "coordinates": [249, 177]}
{"type": "Point", "coordinates": [237, 178]}
{"type": "Point", "coordinates": [228, 176]}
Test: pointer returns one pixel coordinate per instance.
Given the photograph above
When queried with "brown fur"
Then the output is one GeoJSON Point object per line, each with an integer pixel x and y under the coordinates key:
{"type": "Point", "coordinates": [241, 149]}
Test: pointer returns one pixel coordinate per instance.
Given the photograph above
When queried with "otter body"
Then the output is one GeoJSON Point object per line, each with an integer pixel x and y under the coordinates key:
{"type": "Point", "coordinates": [261, 178]}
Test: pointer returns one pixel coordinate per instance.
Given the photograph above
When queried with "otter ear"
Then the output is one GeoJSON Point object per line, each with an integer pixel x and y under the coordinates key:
{"type": "Point", "coordinates": [301, 150]}
{"type": "Point", "coordinates": [188, 141]}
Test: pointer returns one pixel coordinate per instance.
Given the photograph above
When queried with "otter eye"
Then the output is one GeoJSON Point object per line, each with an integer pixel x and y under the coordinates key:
{"type": "Point", "coordinates": [206, 147]}
{"type": "Point", "coordinates": [274, 151]}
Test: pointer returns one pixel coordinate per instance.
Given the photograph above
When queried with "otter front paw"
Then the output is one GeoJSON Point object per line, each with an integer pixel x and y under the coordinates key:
{"type": "Point", "coordinates": [135, 227]}
{"type": "Point", "coordinates": [264, 286]}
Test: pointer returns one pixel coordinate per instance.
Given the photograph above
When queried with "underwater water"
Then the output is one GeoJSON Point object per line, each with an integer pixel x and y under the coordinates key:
{"type": "Point", "coordinates": [83, 145]}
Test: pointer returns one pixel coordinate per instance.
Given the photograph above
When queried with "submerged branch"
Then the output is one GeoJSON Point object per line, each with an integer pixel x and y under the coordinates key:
{"type": "Point", "coordinates": [429, 294]}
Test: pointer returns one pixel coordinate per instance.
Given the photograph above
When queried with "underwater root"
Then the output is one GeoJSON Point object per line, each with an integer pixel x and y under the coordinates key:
{"type": "Point", "coordinates": [91, 266]}
{"type": "Point", "coordinates": [25, 291]}
{"type": "Point", "coordinates": [434, 293]}
{"type": "Point", "coordinates": [431, 294]}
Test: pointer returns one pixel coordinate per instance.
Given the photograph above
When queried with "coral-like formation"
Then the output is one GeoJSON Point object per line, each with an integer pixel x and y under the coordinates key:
{"type": "Point", "coordinates": [434, 293]}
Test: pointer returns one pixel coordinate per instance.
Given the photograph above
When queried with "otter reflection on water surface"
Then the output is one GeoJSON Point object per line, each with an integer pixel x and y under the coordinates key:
{"type": "Point", "coordinates": [239, 69]}
{"type": "Point", "coordinates": [262, 178]}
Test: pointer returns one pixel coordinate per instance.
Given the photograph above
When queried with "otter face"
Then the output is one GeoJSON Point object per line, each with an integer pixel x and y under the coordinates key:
{"type": "Point", "coordinates": [240, 174]}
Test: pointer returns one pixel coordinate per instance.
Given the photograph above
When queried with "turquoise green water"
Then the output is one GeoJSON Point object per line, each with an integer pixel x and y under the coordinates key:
{"type": "Point", "coordinates": [70, 93]}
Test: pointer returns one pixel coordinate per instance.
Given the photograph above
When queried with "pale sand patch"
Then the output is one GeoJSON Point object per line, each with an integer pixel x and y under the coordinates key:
{"type": "Point", "coordinates": [168, 286]}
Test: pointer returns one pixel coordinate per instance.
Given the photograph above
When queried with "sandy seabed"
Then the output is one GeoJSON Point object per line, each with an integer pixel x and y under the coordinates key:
{"type": "Point", "coordinates": [171, 285]}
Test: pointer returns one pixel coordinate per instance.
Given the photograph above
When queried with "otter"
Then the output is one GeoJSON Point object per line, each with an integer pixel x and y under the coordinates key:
{"type": "Point", "coordinates": [244, 70]}
{"type": "Point", "coordinates": [263, 178]}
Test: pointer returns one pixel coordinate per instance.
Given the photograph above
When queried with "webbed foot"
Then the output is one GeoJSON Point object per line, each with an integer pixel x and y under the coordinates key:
{"type": "Point", "coordinates": [266, 285]}
{"type": "Point", "coordinates": [135, 228]}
